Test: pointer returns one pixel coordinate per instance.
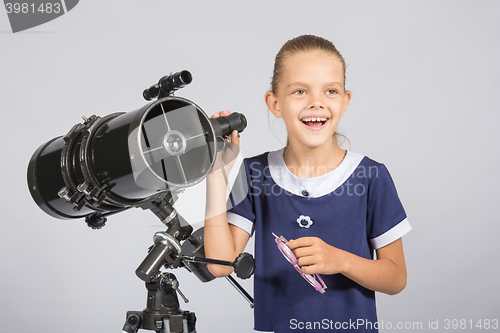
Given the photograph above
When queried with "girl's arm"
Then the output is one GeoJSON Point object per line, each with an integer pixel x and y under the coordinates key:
{"type": "Point", "coordinates": [222, 240]}
{"type": "Point", "coordinates": [386, 274]}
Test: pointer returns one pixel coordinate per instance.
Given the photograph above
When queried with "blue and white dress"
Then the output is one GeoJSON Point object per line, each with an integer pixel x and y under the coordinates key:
{"type": "Point", "coordinates": [355, 207]}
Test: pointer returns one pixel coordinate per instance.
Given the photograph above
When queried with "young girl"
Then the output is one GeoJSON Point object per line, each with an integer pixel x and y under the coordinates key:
{"type": "Point", "coordinates": [336, 205]}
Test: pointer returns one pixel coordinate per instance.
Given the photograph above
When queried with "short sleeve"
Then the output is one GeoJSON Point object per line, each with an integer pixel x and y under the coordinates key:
{"type": "Point", "coordinates": [386, 218]}
{"type": "Point", "coordinates": [240, 205]}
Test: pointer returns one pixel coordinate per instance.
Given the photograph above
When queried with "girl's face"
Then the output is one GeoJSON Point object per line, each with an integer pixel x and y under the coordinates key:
{"type": "Point", "coordinates": [310, 98]}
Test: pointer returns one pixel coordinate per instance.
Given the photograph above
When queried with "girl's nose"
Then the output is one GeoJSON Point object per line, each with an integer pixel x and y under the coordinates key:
{"type": "Point", "coordinates": [316, 103]}
{"type": "Point", "coordinates": [316, 106]}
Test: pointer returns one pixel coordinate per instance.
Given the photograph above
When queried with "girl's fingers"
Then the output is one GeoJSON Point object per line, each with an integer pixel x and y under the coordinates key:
{"type": "Point", "coordinates": [303, 252]}
{"type": "Point", "coordinates": [234, 137]}
{"type": "Point", "coordinates": [300, 242]}
{"type": "Point", "coordinates": [306, 261]}
{"type": "Point", "coordinates": [224, 113]}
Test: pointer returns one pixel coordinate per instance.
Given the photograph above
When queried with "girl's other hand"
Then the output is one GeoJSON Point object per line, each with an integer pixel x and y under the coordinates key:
{"type": "Point", "coordinates": [317, 257]}
{"type": "Point", "coordinates": [226, 158]}
{"type": "Point", "coordinates": [386, 274]}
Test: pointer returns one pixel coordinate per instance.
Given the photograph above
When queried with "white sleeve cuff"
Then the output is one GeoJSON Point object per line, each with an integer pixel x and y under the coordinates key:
{"type": "Point", "coordinates": [393, 234]}
{"type": "Point", "coordinates": [240, 222]}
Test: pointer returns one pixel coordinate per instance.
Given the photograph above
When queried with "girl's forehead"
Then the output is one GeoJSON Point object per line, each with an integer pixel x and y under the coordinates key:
{"type": "Point", "coordinates": [312, 64]}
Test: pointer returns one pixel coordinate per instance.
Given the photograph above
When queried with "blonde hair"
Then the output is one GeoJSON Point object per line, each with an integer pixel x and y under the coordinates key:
{"type": "Point", "coordinates": [305, 43]}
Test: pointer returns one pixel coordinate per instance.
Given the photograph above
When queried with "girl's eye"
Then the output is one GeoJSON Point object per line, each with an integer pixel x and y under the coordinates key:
{"type": "Point", "coordinates": [331, 91]}
{"type": "Point", "coordinates": [299, 92]}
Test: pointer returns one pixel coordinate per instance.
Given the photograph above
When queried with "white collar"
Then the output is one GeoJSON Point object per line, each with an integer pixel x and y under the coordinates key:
{"type": "Point", "coordinates": [313, 187]}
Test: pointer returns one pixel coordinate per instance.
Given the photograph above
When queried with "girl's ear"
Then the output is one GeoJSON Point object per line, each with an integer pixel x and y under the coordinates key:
{"type": "Point", "coordinates": [347, 99]}
{"type": "Point", "coordinates": [273, 104]}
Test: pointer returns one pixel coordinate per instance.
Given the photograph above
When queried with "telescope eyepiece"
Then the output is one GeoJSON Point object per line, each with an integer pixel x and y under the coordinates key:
{"type": "Point", "coordinates": [167, 85]}
{"type": "Point", "coordinates": [224, 126]}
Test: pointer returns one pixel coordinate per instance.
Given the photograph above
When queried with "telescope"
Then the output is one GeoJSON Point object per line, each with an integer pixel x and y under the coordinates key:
{"type": "Point", "coordinates": [142, 159]}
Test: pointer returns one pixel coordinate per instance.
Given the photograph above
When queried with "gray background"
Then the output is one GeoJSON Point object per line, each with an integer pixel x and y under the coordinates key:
{"type": "Point", "coordinates": [424, 77]}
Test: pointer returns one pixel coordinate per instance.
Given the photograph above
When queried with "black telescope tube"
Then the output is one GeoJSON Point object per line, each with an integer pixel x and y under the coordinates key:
{"type": "Point", "coordinates": [224, 126]}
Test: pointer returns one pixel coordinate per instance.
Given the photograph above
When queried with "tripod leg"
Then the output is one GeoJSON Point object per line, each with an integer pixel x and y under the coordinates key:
{"type": "Point", "coordinates": [186, 325]}
{"type": "Point", "coordinates": [132, 324]}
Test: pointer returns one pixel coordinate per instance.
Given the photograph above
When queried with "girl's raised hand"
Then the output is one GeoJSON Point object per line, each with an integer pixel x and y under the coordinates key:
{"type": "Point", "coordinates": [226, 158]}
{"type": "Point", "coordinates": [317, 257]}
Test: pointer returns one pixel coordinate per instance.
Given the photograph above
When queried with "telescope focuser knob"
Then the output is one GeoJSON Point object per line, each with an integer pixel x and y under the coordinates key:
{"type": "Point", "coordinates": [244, 265]}
{"type": "Point", "coordinates": [96, 220]}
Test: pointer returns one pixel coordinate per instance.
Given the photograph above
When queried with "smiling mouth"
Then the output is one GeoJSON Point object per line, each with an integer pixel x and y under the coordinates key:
{"type": "Point", "coordinates": [314, 123]}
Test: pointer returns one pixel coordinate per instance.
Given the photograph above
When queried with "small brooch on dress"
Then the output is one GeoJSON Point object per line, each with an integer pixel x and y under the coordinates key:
{"type": "Point", "coordinates": [304, 221]}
